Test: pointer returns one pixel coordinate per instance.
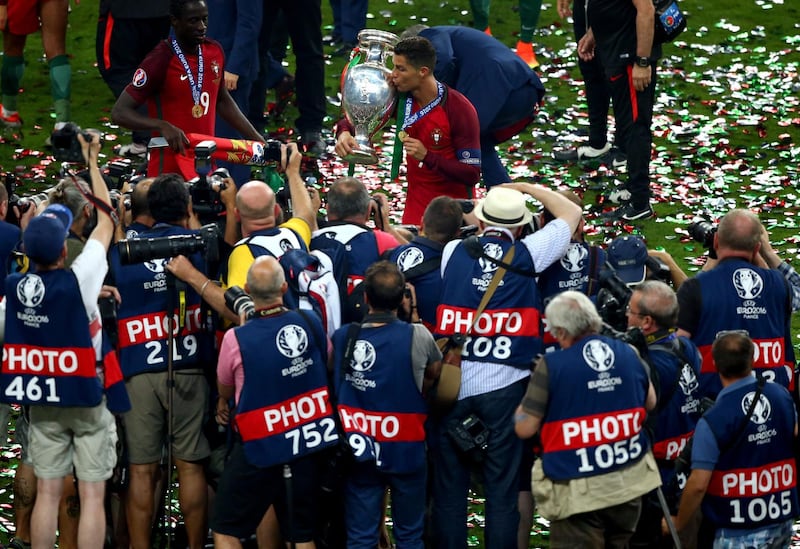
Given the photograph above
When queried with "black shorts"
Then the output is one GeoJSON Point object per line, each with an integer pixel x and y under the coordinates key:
{"type": "Point", "coordinates": [526, 465]}
{"type": "Point", "coordinates": [246, 492]}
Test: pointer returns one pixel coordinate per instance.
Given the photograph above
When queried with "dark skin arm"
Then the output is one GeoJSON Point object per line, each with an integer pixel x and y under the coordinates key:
{"type": "Point", "coordinates": [125, 114]}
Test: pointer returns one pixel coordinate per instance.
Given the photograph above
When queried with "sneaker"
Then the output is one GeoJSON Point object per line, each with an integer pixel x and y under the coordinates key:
{"type": "Point", "coordinates": [487, 31]}
{"type": "Point", "coordinates": [619, 195]}
{"type": "Point", "coordinates": [10, 119]}
{"type": "Point", "coordinates": [18, 544]}
{"type": "Point", "coordinates": [138, 150]}
{"type": "Point", "coordinates": [582, 153]}
{"type": "Point", "coordinates": [619, 161]}
{"type": "Point", "coordinates": [629, 212]}
{"type": "Point", "coordinates": [525, 51]}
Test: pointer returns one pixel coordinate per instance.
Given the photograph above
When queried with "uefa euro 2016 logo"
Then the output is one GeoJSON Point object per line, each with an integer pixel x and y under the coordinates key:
{"type": "Point", "coordinates": [363, 356]}
{"type": "Point", "coordinates": [409, 258]}
{"type": "Point", "coordinates": [30, 290]}
{"type": "Point", "coordinates": [575, 258]}
{"type": "Point", "coordinates": [748, 283]}
{"type": "Point", "coordinates": [292, 341]}
{"type": "Point", "coordinates": [495, 251]}
{"type": "Point", "coordinates": [598, 355]}
{"type": "Point", "coordinates": [762, 410]}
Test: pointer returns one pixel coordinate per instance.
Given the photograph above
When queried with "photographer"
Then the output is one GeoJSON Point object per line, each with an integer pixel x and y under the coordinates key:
{"type": "Point", "coordinates": [350, 243]}
{"type": "Point", "coordinates": [746, 438]}
{"type": "Point", "coordinates": [141, 219]}
{"type": "Point", "coordinates": [496, 361]}
{"type": "Point", "coordinates": [739, 292]}
{"type": "Point", "coordinates": [148, 299]}
{"type": "Point", "coordinates": [580, 266]}
{"type": "Point", "coordinates": [588, 482]}
{"type": "Point", "coordinates": [9, 234]}
{"type": "Point", "coordinates": [258, 213]}
{"type": "Point", "coordinates": [675, 365]}
{"type": "Point", "coordinates": [271, 440]}
{"type": "Point", "coordinates": [177, 106]}
{"type": "Point", "coordinates": [70, 423]}
{"type": "Point", "coordinates": [382, 369]}
{"type": "Point", "coordinates": [420, 260]}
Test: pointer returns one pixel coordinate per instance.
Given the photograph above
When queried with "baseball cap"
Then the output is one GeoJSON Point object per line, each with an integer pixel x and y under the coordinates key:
{"type": "Point", "coordinates": [628, 256]}
{"type": "Point", "coordinates": [503, 207]}
{"type": "Point", "coordinates": [44, 237]}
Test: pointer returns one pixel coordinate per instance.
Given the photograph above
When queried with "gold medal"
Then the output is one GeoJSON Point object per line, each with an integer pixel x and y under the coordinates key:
{"type": "Point", "coordinates": [197, 111]}
{"type": "Point", "coordinates": [402, 135]}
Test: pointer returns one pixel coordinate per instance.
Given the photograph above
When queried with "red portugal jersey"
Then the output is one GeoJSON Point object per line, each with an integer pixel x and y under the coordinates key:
{"type": "Point", "coordinates": [161, 81]}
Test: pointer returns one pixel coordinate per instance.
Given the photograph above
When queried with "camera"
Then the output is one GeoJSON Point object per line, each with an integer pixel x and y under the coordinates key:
{"type": "Point", "coordinates": [703, 232]}
{"type": "Point", "coordinates": [66, 147]}
{"type": "Point", "coordinates": [470, 435]}
{"type": "Point", "coordinates": [205, 188]}
{"type": "Point", "coordinates": [238, 302]}
{"type": "Point", "coordinates": [632, 336]}
{"type": "Point", "coordinates": [139, 250]}
{"type": "Point", "coordinates": [612, 298]}
{"type": "Point", "coordinates": [117, 172]}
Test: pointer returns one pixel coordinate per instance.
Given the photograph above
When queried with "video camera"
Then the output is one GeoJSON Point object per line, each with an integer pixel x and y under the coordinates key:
{"type": "Point", "coordinates": [139, 250]}
{"type": "Point", "coordinates": [66, 147]}
{"type": "Point", "coordinates": [703, 232]}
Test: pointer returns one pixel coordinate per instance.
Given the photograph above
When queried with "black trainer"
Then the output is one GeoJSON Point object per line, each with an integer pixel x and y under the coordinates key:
{"type": "Point", "coordinates": [629, 212]}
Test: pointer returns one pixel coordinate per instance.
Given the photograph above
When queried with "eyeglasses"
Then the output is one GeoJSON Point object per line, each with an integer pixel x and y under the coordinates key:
{"type": "Point", "coordinates": [724, 333]}
{"type": "Point", "coordinates": [628, 311]}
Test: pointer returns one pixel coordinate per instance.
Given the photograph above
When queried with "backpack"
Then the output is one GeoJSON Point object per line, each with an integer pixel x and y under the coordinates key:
{"type": "Point", "coordinates": [312, 286]}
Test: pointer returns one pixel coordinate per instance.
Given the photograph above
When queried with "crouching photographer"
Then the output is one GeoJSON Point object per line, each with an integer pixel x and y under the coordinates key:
{"type": "Point", "coordinates": [168, 390]}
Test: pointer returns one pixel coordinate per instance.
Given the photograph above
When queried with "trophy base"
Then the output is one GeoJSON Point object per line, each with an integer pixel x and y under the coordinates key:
{"type": "Point", "coordinates": [362, 156]}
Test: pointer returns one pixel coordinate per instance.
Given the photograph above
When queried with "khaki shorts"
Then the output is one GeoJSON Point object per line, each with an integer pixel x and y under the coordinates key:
{"type": "Point", "coordinates": [146, 424]}
{"type": "Point", "coordinates": [62, 437]}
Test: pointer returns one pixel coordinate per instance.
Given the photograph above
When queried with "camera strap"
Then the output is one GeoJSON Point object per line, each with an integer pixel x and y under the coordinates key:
{"type": "Point", "coordinates": [475, 251]}
{"type": "Point", "coordinates": [99, 204]}
{"type": "Point", "coordinates": [493, 285]}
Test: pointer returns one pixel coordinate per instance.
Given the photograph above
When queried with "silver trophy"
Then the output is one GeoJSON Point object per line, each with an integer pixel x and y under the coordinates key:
{"type": "Point", "coordinates": [368, 98]}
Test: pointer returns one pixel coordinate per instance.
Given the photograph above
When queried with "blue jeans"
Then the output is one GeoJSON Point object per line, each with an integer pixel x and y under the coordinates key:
{"type": "Point", "coordinates": [363, 499]}
{"type": "Point", "coordinates": [499, 468]}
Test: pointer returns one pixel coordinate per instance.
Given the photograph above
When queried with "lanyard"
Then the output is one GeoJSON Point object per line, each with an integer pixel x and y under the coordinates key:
{"type": "Point", "coordinates": [197, 86]}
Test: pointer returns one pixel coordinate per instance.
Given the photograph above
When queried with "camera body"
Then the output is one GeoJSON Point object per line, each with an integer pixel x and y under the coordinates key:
{"type": "Point", "coordinates": [703, 232]}
{"type": "Point", "coordinates": [612, 298]}
{"type": "Point", "coordinates": [239, 302]}
{"type": "Point", "coordinates": [470, 435]}
{"type": "Point", "coordinates": [66, 147]}
{"type": "Point", "coordinates": [205, 188]}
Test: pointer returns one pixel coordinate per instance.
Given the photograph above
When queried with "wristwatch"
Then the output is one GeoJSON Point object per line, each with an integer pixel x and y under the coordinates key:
{"type": "Point", "coordinates": [643, 61]}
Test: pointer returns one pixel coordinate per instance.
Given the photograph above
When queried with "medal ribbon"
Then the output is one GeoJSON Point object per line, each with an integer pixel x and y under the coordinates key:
{"type": "Point", "coordinates": [410, 118]}
{"type": "Point", "coordinates": [197, 87]}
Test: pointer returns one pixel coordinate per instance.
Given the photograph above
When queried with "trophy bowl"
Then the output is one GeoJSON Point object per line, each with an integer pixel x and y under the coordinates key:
{"type": "Point", "coordinates": [368, 98]}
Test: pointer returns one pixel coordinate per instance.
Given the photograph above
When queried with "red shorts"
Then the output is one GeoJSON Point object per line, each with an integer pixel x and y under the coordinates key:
{"type": "Point", "coordinates": [23, 16]}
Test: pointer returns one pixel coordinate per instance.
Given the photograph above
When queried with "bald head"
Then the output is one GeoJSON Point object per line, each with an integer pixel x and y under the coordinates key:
{"type": "Point", "coordinates": [255, 203]}
{"type": "Point", "coordinates": [265, 281]}
{"type": "Point", "coordinates": [139, 205]}
{"type": "Point", "coordinates": [739, 231]}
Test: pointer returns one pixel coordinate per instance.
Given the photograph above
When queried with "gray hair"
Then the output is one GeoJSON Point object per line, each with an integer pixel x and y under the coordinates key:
{"type": "Point", "coordinates": [658, 301]}
{"type": "Point", "coordinates": [574, 313]}
{"type": "Point", "coordinates": [347, 197]}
